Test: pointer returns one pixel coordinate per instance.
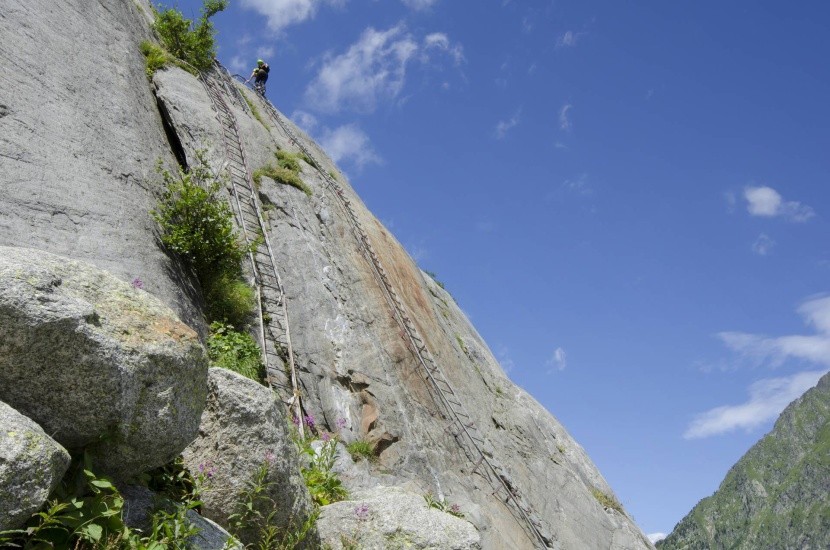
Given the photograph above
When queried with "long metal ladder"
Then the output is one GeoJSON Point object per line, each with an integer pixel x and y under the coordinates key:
{"type": "Point", "coordinates": [461, 425]}
{"type": "Point", "coordinates": [274, 326]}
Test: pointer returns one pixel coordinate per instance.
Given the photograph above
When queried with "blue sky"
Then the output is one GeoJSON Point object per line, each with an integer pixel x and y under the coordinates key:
{"type": "Point", "coordinates": [628, 199]}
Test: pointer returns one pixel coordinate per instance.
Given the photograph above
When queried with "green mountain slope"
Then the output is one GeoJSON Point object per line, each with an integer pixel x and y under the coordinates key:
{"type": "Point", "coordinates": [777, 496]}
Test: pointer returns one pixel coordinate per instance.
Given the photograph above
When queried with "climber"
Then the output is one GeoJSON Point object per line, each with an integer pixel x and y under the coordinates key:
{"type": "Point", "coordinates": [260, 76]}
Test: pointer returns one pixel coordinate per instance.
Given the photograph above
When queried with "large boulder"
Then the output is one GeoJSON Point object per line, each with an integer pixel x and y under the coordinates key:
{"type": "Point", "coordinates": [242, 430]}
{"type": "Point", "coordinates": [31, 465]}
{"type": "Point", "coordinates": [391, 517]}
{"type": "Point", "coordinates": [99, 364]}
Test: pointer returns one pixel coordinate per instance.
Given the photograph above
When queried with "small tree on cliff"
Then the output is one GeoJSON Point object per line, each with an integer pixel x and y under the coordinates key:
{"type": "Point", "coordinates": [191, 42]}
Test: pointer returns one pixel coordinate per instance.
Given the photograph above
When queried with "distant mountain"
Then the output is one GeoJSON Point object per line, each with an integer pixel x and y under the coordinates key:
{"type": "Point", "coordinates": [778, 494]}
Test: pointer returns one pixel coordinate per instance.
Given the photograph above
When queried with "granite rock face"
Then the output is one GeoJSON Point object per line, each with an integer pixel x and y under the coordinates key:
{"type": "Point", "coordinates": [776, 495]}
{"type": "Point", "coordinates": [31, 465]}
{"type": "Point", "coordinates": [80, 135]}
{"type": "Point", "coordinates": [390, 518]}
{"type": "Point", "coordinates": [80, 131]}
{"type": "Point", "coordinates": [243, 429]}
{"type": "Point", "coordinates": [355, 366]}
{"type": "Point", "coordinates": [99, 364]}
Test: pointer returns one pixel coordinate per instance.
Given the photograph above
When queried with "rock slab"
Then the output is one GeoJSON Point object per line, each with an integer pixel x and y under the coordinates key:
{"type": "Point", "coordinates": [390, 518]}
{"type": "Point", "coordinates": [31, 465]}
{"type": "Point", "coordinates": [243, 429]}
{"type": "Point", "coordinates": [100, 365]}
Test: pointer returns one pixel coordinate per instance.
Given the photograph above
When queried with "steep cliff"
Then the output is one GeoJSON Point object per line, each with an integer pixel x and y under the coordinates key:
{"type": "Point", "coordinates": [776, 495]}
{"type": "Point", "coordinates": [81, 132]}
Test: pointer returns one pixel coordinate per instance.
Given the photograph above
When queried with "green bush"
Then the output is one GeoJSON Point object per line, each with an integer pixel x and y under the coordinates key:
{"type": "Point", "coordinates": [198, 225]}
{"type": "Point", "coordinates": [323, 484]}
{"type": "Point", "coordinates": [281, 175]}
{"type": "Point", "coordinates": [236, 351]}
{"type": "Point", "coordinates": [361, 450]}
{"type": "Point", "coordinates": [191, 42]}
{"type": "Point", "coordinates": [86, 511]}
{"type": "Point", "coordinates": [255, 515]}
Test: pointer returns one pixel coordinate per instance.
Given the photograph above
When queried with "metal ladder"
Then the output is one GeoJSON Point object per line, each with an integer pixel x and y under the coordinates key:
{"type": "Point", "coordinates": [461, 424]}
{"type": "Point", "coordinates": [274, 324]}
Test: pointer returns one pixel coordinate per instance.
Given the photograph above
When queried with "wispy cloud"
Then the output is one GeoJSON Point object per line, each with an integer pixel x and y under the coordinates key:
{"type": "Point", "coordinates": [578, 185]}
{"type": "Point", "coordinates": [304, 120]}
{"type": "Point", "coordinates": [419, 5]}
{"type": "Point", "coordinates": [284, 13]}
{"type": "Point", "coordinates": [504, 359]}
{"type": "Point", "coordinates": [504, 126]}
{"type": "Point", "coordinates": [767, 398]}
{"type": "Point", "coordinates": [763, 245]}
{"type": "Point", "coordinates": [568, 39]}
{"type": "Point", "coordinates": [349, 143]}
{"type": "Point", "coordinates": [558, 361]}
{"type": "Point", "coordinates": [564, 119]}
{"type": "Point", "coordinates": [655, 537]}
{"type": "Point", "coordinates": [767, 202]}
{"type": "Point", "coordinates": [773, 351]}
{"type": "Point", "coordinates": [374, 68]}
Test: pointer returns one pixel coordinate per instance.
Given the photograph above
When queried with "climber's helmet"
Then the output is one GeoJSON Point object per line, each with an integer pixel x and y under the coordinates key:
{"type": "Point", "coordinates": [260, 62]}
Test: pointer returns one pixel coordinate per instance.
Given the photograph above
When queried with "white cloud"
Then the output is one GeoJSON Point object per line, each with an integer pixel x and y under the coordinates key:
{"type": "Point", "coordinates": [264, 51]}
{"type": "Point", "coordinates": [774, 351]}
{"type": "Point", "coordinates": [372, 68]}
{"type": "Point", "coordinates": [504, 126]}
{"type": "Point", "coordinates": [767, 202]}
{"type": "Point", "coordinates": [763, 245]}
{"type": "Point", "coordinates": [568, 39]}
{"type": "Point", "coordinates": [349, 143]}
{"type": "Point", "coordinates": [237, 64]}
{"type": "Point", "coordinates": [558, 361]}
{"type": "Point", "coordinates": [654, 537]}
{"type": "Point", "coordinates": [419, 5]}
{"type": "Point", "coordinates": [579, 185]}
{"type": "Point", "coordinates": [441, 41]}
{"type": "Point", "coordinates": [505, 360]}
{"type": "Point", "coordinates": [304, 120]}
{"type": "Point", "coordinates": [564, 121]}
{"type": "Point", "coordinates": [283, 13]}
{"type": "Point", "coordinates": [767, 398]}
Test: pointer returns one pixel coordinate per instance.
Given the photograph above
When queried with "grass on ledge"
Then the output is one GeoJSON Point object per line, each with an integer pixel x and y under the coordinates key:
{"type": "Point", "coordinates": [606, 501]}
{"type": "Point", "coordinates": [281, 175]}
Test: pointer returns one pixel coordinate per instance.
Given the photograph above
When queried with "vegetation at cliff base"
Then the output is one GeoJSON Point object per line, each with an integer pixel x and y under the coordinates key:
{"type": "Point", "coordinates": [197, 225]}
{"type": "Point", "coordinates": [236, 351]}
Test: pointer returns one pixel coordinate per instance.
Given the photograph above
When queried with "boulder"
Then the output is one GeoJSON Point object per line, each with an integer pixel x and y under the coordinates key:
{"type": "Point", "coordinates": [242, 430]}
{"type": "Point", "coordinates": [391, 517]}
{"type": "Point", "coordinates": [99, 364]}
{"type": "Point", "coordinates": [31, 465]}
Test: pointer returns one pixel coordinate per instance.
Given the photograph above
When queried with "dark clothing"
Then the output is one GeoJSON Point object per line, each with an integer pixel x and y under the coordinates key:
{"type": "Point", "coordinates": [261, 73]}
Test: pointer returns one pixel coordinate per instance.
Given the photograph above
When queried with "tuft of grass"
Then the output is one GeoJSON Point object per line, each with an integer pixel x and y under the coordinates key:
{"type": "Point", "coordinates": [607, 501]}
{"type": "Point", "coordinates": [289, 161]}
{"type": "Point", "coordinates": [434, 277]}
{"type": "Point", "coordinates": [361, 450]}
{"type": "Point", "coordinates": [236, 351]}
{"type": "Point", "coordinates": [155, 57]}
{"type": "Point", "coordinates": [254, 110]}
{"type": "Point", "coordinates": [281, 175]}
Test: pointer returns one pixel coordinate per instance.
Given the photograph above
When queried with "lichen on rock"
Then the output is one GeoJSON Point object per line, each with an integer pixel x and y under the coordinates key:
{"type": "Point", "coordinates": [101, 365]}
